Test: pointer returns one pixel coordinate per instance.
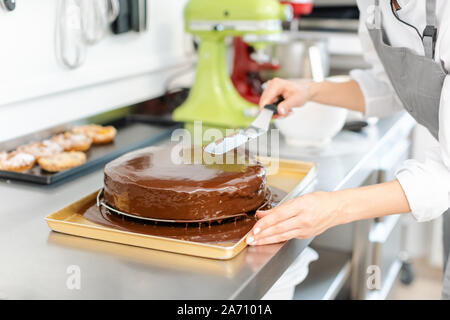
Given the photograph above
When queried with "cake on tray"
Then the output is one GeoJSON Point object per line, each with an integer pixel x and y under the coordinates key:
{"type": "Point", "coordinates": [160, 183]}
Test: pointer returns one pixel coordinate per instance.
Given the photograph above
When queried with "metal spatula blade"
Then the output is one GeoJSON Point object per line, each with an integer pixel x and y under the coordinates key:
{"type": "Point", "coordinates": [257, 128]}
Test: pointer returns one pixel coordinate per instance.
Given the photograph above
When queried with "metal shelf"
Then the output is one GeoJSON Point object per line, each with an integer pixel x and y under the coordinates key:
{"type": "Point", "coordinates": [326, 276]}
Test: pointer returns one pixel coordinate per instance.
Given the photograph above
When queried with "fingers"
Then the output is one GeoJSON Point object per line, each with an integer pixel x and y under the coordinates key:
{"type": "Point", "coordinates": [263, 213]}
{"type": "Point", "coordinates": [287, 206]}
{"type": "Point", "coordinates": [277, 229]}
{"type": "Point", "coordinates": [274, 89]}
{"type": "Point", "coordinates": [276, 238]}
{"type": "Point", "coordinates": [273, 216]}
{"type": "Point", "coordinates": [284, 107]}
{"type": "Point", "coordinates": [303, 217]}
{"type": "Point", "coordinates": [278, 224]}
{"type": "Point", "coordinates": [293, 95]}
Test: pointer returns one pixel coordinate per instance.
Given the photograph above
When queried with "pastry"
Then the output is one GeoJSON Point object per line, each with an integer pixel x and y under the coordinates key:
{"type": "Point", "coordinates": [148, 183]}
{"type": "Point", "coordinates": [98, 134]}
{"type": "Point", "coordinates": [73, 141]}
{"type": "Point", "coordinates": [45, 148]}
{"type": "Point", "coordinates": [62, 161]}
{"type": "Point", "coordinates": [16, 161]}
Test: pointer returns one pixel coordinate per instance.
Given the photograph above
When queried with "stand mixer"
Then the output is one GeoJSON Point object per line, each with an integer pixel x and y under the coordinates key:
{"type": "Point", "coordinates": [246, 71]}
{"type": "Point", "coordinates": [246, 74]}
{"type": "Point", "coordinates": [213, 98]}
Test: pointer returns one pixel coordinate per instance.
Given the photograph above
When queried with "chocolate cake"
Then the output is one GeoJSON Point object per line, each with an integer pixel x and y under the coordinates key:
{"type": "Point", "coordinates": [159, 183]}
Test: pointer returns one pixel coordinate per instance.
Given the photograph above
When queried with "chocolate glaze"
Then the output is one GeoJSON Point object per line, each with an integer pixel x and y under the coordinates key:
{"type": "Point", "coordinates": [168, 183]}
{"type": "Point", "coordinates": [230, 230]}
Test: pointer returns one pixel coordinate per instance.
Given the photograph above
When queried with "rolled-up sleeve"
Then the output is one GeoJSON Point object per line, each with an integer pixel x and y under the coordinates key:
{"type": "Point", "coordinates": [380, 97]}
{"type": "Point", "coordinates": [427, 184]}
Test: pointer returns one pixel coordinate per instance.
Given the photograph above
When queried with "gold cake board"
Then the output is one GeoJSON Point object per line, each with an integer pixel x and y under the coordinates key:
{"type": "Point", "coordinates": [293, 177]}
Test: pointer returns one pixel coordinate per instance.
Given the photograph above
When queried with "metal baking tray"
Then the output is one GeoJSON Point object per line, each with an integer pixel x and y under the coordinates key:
{"type": "Point", "coordinates": [293, 177]}
{"type": "Point", "coordinates": [133, 131]}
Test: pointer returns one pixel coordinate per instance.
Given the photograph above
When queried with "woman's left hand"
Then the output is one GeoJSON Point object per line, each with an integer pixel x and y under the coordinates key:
{"type": "Point", "coordinates": [313, 213]}
{"type": "Point", "coordinates": [303, 217]}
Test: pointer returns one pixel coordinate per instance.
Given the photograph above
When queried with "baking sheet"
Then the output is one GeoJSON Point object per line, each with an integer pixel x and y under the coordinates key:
{"type": "Point", "coordinates": [293, 177]}
{"type": "Point", "coordinates": [133, 132]}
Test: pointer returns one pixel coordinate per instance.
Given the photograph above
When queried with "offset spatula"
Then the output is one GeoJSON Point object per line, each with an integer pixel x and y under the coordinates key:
{"type": "Point", "coordinates": [258, 127]}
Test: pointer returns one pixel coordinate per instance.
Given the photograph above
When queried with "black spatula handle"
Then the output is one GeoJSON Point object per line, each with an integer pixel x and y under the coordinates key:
{"type": "Point", "coordinates": [274, 106]}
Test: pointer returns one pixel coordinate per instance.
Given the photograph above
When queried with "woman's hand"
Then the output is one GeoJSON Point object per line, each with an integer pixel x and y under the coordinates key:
{"type": "Point", "coordinates": [303, 218]}
{"type": "Point", "coordinates": [313, 213]}
{"type": "Point", "coordinates": [295, 93]}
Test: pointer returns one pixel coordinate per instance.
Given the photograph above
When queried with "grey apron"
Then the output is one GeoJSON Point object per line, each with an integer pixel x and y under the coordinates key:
{"type": "Point", "coordinates": [418, 82]}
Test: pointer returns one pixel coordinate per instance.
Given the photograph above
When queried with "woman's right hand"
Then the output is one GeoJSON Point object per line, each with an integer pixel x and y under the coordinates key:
{"type": "Point", "coordinates": [294, 93]}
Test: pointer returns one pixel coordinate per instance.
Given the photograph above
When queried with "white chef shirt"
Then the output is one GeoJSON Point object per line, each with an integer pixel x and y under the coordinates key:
{"type": "Point", "coordinates": [426, 184]}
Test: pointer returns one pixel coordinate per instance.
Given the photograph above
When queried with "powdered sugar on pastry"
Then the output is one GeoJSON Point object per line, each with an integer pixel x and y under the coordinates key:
{"type": "Point", "coordinates": [45, 148]}
{"type": "Point", "coordinates": [16, 161]}
{"type": "Point", "coordinates": [73, 141]}
{"type": "Point", "coordinates": [99, 134]}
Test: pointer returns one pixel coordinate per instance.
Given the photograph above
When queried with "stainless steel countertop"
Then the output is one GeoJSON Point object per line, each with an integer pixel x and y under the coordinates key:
{"type": "Point", "coordinates": [34, 260]}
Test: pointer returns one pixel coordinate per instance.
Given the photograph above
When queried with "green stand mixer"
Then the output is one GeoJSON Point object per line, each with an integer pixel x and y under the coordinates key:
{"type": "Point", "coordinates": [213, 98]}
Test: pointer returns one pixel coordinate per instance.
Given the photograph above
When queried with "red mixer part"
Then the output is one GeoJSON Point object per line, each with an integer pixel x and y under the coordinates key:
{"type": "Point", "coordinates": [245, 76]}
{"type": "Point", "coordinates": [246, 72]}
{"type": "Point", "coordinates": [300, 7]}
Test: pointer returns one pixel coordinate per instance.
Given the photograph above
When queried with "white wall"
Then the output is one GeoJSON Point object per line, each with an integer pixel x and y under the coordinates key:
{"type": "Point", "coordinates": [37, 92]}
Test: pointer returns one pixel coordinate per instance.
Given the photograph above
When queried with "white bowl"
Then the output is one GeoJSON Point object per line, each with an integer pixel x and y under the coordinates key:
{"type": "Point", "coordinates": [312, 125]}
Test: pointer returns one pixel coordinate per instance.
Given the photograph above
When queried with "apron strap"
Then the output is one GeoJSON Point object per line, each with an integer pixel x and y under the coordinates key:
{"type": "Point", "coordinates": [430, 31]}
